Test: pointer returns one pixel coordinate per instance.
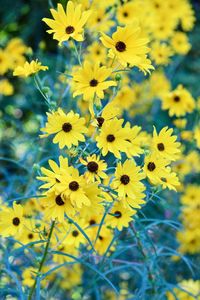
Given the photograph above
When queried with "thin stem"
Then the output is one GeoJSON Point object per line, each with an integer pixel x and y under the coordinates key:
{"type": "Point", "coordinates": [140, 246]}
{"type": "Point", "coordinates": [77, 54]}
{"type": "Point", "coordinates": [43, 260]}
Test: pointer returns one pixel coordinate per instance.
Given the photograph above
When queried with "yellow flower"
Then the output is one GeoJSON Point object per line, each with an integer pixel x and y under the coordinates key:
{"type": "Point", "coordinates": [104, 239]}
{"type": "Point", "coordinates": [112, 138]}
{"type": "Point", "coordinates": [127, 181]}
{"type": "Point", "coordinates": [11, 220]}
{"type": "Point", "coordinates": [127, 44]}
{"type": "Point", "coordinates": [29, 68]}
{"type": "Point", "coordinates": [180, 43]}
{"type": "Point", "coordinates": [109, 112]}
{"type": "Point", "coordinates": [96, 53]}
{"type": "Point", "coordinates": [197, 135]}
{"type": "Point", "coordinates": [159, 84]}
{"type": "Point", "coordinates": [95, 168]}
{"type": "Point", "coordinates": [161, 53]}
{"type": "Point", "coordinates": [67, 24]}
{"type": "Point", "coordinates": [4, 62]}
{"type": "Point", "coordinates": [119, 216]}
{"type": "Point", "coordinates": [165, 144]}
{"type": "Point", "coordinates": [56, 206]}
{"type": "Point", "coordinates": [69, 128]}
{"type": "Point", "coordinates": [189, 290]}
{"type": "Point", "coordinates": [100, 20]}
{"type": "Point", "coordinates": [91, 80]}
{"type": "Point", "coordinates": [28, 276]}
{"type": "Point", "coordinates": [74, 187]}
{"type": "Point", "coordinates": [6, 88]}
{"type": "Point", "coordinates": [51, 177]}
{"type": "Point", "coordinates": [155, 168]}
{"type": "Point", "coordinates": [178, 102]}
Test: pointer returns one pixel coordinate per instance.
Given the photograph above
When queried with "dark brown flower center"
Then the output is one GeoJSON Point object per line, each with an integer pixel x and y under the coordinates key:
{"type": "Point", "coordinates": [98, 20]}
{"type": "Point", "coordinates": [151, 166]}
{"type": "Point", "coordinates": [69, 29]}
{"type": "Point", "coordinates": [110, 138]}
{"type": "Point", "coordinates": [73, 185]}
{"type": "Point", "coordinates": [161, 147]}
{"type": "Point", "coordinates": [59, 200]}
{"type": "Point", "coordinates": [75, 233]}
{"type": "Point", "coordinates": [125, 14]}
{"type": "Point", "coordinates": [93, 82]}
{"type": "Point", "coordinates": [125, 179]}
{"type": "Point", "coordinates": [67, 127]}
{"type": "Point", "coordinates": [98, 52]}
{"type": "Point", "coordinates": [176, 99]}
{"type": "Point", "coordinates": [92, 166]}
{"type": "Point", "coordinates": [120, 46]}
{"type": "Point", "coordinates": [30, 236]}
{"type": "Point", "coordinates": [100, 121]}
{"type": "Point", "coordinates": [16, 221]}
{"type": "Point", "coordinates": [118, 214]}
{"type": "Point", "coordinates": [100, 237]}
{"type": "Point", "coordinates": [92, 222]}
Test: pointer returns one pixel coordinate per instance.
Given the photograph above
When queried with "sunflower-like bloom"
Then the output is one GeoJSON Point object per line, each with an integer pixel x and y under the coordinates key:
{"type": "Point", "coordinates": [74, 187]}
{"type": "Point", "coordinates": [158, 172]}
{"type": "Point", "coordinates": [91, 80]}
{"type": "Point", "coordinates": [161, 53]}
{"type": "Point", "coordinates": [96, 168]}
{"type": "Point", "coordinates": [127, 180]}
{"type": "Point", "coordinates": [165, 144]}
{"type": "Point", "coordinates": [69, 128]}
{"type": "Point", "coordinates": [56, 206]}
{"type": "Point", "coordinates": [67, 24]}
{"type": "Point", "coordinates": [51, 177]}
{"type": "Point", "coordinates": [29, 68]}
{"type": "Point", "coordinates": [119, 216]}
{"type": "Point", "coordinates": [127, 44]}
{"type": "Point", "coordinates": [178, 102]}
{"type": "Point", "coordinates": [112, 138]}
{"type": "Point", "coordinates": [11, 220]}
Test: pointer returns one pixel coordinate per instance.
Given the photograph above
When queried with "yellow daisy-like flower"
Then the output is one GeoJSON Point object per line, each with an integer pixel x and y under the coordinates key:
{"type": "Point", "coordinates": [72, 186]}
{"type": "Point", "coordinates": [95, 168]}
{"type": "Point", "coordinates": [178, 102]}
{"type": "Point", "coordinates": [56, 206]}
{"type": "Point", "coordinates": [91, 80]}
{"type": "Point", "coordinates": [127, 180]}
{"type": "Point", "coordinates": [109, 112]}
{"type": "Point", "coordinates": [127, 44]}
{"type": "Point", "coordinates": [119, 216]}
{"type": "Point", "coordinates": [155, 168]}
{"type": "Point", "coordinates": [6, 88]}
{"type": "Point", "coordinates": [112, 138]}
{"type": "Point", "coordinates": [165, 144]}
{"type": "Point", "coordinates": [67, 24]}
{"type": "Point", "coordinates": [69, 128]}
{"type": "Point", "coordinates": [29, 68]}
{"type": "Point", "coordinates": [161, 53]}
{"type": "Point", "coordinates": [51, 177]}
{"type": "Point", "coordinates": [180, 43]}
{"type": "Point", "coordinates": [11, 220]}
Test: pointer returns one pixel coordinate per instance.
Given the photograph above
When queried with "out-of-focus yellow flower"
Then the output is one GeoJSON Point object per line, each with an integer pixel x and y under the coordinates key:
{"type": "Point", "coordinates": [29, 68]}
{"type": "Point", "coordinates": [6, 88]}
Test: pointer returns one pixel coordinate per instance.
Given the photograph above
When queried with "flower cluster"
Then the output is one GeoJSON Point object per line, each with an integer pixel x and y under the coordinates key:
{"type": "Point", "coordinates": [116, 160]}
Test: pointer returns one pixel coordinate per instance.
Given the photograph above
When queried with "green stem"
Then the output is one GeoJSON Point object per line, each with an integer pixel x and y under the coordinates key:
{"type": "Point", "coordinates": [140, 246]}
{"type": "Point", "coordinates": [43, 260]}
{"type": "Point", "coordinates": [77, 54]}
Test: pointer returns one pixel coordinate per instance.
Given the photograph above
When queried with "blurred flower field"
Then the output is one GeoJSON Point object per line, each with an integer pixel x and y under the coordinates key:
{"type": "Point", "coordinates": [100, 150]}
